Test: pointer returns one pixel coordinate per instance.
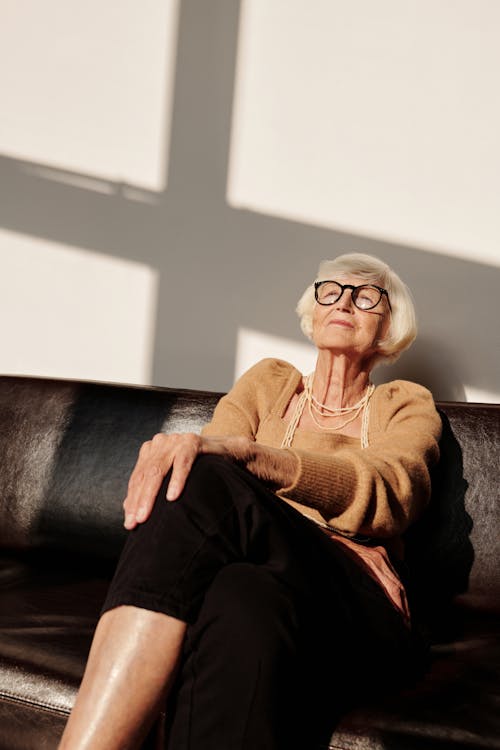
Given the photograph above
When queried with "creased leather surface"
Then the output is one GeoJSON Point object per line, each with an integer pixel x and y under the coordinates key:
{"type": "Point", "coordinates": [24, 727]}
{"type": "Point", "coordinates": [32, 420]}
{"type": "Point", "coordinates": [455, 705]}
{"type": "Point", "coordinates": [477, 429]}
{"type": "Point", "coordinates": [67, 450]}
{"type": "Point", "coordinates": [48, 612]}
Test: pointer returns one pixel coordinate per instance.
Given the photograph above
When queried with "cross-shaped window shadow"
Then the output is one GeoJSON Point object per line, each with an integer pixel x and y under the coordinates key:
{"type": "Point", "coordinates": [223, 268]}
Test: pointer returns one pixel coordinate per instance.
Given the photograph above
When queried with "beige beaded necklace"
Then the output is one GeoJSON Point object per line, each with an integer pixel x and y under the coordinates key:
{"type": "Point", "coordinates": [306, 397]}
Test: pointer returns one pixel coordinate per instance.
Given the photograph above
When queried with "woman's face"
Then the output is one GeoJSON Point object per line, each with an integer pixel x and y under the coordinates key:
{"type": "Point", "coordinates": [344, 328]}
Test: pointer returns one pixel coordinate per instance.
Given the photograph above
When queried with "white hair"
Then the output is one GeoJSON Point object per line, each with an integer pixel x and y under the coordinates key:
{"type": "Point", "coordinates": [403, 325]}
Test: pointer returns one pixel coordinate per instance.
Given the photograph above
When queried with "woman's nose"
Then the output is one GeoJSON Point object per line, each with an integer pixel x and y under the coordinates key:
{"type": "Point", "coordinates": [345, 301]}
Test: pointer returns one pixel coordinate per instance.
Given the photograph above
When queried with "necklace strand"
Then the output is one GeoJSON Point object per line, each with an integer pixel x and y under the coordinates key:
{"type": "Point", "coordinates": [365, 419]}
{"type": "Point", "coordinates": [306, 398]}
{"type": "Point", "coordinates": [338, 426]}
{"type": "Point", "coordinates": [357, 408]}
{"type": "Point", "coordinates": [336, 410]}
{"type": "Point", "coordinates": [292, 424]}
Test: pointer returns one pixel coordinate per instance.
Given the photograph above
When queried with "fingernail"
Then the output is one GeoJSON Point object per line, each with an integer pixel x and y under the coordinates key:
{"type": "Point", "coordinates": [129, 521]}
{"type": "Point", "coordinates": [141, 514]}
{"type": "Point", "coordinates": [172, 492]}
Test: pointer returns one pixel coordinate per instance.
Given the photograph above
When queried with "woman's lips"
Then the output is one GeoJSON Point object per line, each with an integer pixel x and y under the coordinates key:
{"type": "Point", "coordinates": [343, 323]}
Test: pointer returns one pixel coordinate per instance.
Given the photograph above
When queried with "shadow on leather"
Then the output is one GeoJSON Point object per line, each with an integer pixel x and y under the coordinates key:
{"type": "Point", "coordinates": [439, 552]}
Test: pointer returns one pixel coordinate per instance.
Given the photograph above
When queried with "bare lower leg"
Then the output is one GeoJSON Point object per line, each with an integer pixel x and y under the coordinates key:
{"type": "Point", "coordinates": [130, 669]}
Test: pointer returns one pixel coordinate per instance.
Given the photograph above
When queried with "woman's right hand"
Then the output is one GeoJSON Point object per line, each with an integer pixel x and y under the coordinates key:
{"type": "Point", "coordinates": [274, 466]}
{"type": "Point", "coordinates": [156, 457]}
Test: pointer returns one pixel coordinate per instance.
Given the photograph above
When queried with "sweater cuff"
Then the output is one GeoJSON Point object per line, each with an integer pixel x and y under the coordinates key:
{"type": "Point", "coordinates": [327, 483]}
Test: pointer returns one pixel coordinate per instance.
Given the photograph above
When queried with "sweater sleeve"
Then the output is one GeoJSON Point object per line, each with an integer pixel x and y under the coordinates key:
{"type": "Point", "coordinates": [380, 490]}
{"type": "Point", "coordinates": [250, 400]}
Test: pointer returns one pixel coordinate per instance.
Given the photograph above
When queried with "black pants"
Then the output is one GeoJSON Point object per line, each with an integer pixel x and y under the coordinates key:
{"type": "Point", "coordinates": [285, 630]}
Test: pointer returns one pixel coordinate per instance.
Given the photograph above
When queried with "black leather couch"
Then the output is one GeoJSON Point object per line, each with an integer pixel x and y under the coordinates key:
{"type": "Point", "coordinates": [67, 449]}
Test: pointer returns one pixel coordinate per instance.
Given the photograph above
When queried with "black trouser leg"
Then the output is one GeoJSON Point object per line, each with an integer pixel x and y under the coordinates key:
{"type": "Point", "coordinates": [255, 673]}
{"type": "Point", "coordinates": [284, 628]}
{"type": "Point", "coordinates": [224, 515]}
{"type": "Point", "coordinates": [240, 683]}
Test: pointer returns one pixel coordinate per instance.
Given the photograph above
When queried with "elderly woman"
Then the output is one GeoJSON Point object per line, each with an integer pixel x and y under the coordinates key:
{"type": "Point", "coordinates": [261, 587]}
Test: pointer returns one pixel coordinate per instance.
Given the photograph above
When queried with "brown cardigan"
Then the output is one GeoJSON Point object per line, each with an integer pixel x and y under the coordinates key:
{"type": "Point", "coordinates": [376, 491]}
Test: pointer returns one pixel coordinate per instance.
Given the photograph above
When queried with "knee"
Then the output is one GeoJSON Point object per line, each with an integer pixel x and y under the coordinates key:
{"type": "Point", "coordinates": [203, 490]}
{"type": "Point", "coordinates": [213, 487]}
{"type": "Point", "coordinates": [209, 468]}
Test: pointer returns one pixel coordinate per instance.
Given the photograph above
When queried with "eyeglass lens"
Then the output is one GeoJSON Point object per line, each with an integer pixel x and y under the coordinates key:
{"type": "Point", "coordinates": [365, 297]}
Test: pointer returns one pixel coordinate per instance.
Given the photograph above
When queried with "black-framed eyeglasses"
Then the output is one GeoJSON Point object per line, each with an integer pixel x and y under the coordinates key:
{"type": "Point", "coordinates": [364, 296]}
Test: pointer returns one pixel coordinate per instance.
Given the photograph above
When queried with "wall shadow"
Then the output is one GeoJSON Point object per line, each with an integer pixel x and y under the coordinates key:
{"type": "Point", "coordinates": [222, 268]}
{"type": "Point", "coordinates": [432, 362]}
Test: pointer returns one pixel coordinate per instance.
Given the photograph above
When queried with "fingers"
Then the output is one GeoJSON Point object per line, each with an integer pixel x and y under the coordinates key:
{"type": "Point", "coordinates": [156, 458]}
{"type": "Point", "coordinates": [187, 447]}
{"type": "Point", "coordinates": [146, 489]}
{"type": "Point", "coordinates": [180, 469]}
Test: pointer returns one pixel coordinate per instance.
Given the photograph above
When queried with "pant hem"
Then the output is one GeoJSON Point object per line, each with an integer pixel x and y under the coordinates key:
{"type": "Point", "coordinates": [153, 602]}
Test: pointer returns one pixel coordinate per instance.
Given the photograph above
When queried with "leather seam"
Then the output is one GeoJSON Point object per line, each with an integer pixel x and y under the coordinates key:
{"type": "Point", "coordinates": [49, 707]}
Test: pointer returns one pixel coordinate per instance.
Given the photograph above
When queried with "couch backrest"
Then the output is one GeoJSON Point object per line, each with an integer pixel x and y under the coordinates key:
{"type": "Point", "coordinates": [67, 450]}
{"type": "Point", "coordinates": [455, 547]}
{"type": "Point", "coordinates": [476, 428]}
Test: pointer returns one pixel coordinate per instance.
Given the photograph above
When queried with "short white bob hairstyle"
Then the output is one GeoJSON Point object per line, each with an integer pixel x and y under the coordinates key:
{"type": "Point", "coordinates": [370, 270]}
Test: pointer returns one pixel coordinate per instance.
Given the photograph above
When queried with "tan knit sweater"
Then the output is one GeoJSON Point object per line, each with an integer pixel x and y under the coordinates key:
{"type": "Point", "coordinates": [376, 491]}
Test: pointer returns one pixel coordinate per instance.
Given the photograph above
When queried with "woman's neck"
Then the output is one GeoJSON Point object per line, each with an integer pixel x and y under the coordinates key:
{"type": "Point", "coordinates": [339, 381]}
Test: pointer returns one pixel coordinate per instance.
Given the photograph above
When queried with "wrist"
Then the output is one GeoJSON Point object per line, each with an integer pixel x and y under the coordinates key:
{"type": "Point", "coordinates": [274, 466]}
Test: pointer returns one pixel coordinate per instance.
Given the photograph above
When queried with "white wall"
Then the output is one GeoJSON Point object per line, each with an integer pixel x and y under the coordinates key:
{"type": "Point", "coordinates": [86, 102]}
{"type": "Point", "coordinates": [87, 87]}
{"type": "Point", "coordinates": [187, 165]}
{"type": "Point", "coordinates": [379, 119]}
{"type": "Point", "coordinates": [69, 313]}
